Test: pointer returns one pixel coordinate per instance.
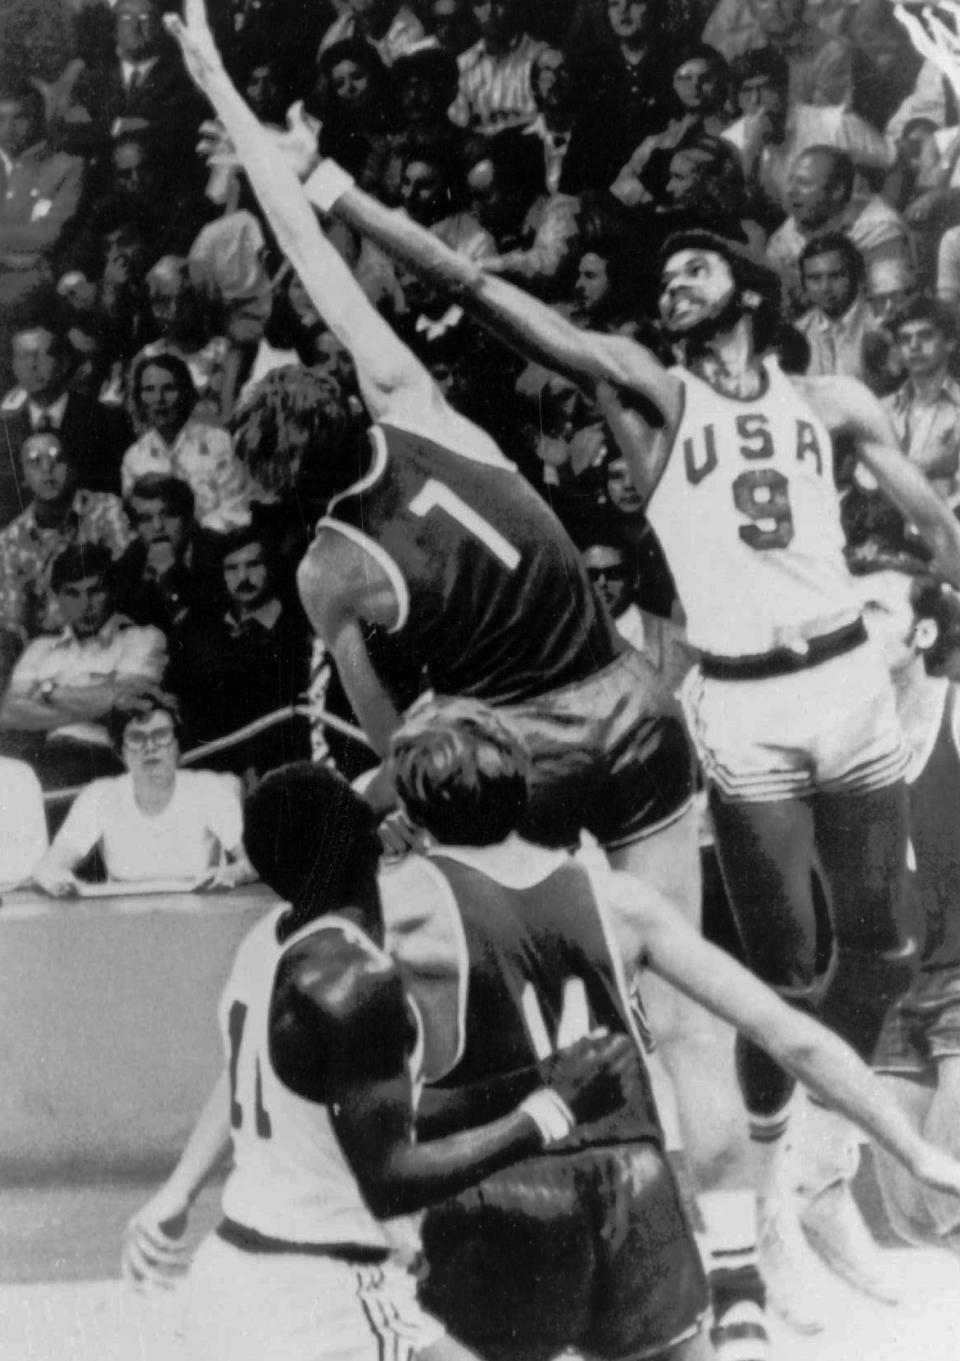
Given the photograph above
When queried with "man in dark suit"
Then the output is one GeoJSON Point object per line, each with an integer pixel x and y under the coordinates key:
{"type": "Point", "coordinates": [95, 435]}
{"type": "Point", "coordinates": [145, 88]}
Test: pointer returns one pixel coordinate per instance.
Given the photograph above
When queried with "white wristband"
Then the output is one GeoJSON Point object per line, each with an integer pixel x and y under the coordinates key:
{"type": "Point", "coordinates": [551, 1115]}
{"type": "Point", "coordinates": [327, 183]}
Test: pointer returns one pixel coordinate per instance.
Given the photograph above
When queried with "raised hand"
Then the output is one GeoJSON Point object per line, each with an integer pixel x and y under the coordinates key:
{"type": "Point", "coordinates": [193, 35]}
{"type": "Point", "coordinates": [935, 33]}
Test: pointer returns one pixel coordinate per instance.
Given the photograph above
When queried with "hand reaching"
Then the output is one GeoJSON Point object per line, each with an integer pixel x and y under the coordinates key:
{"type": "Point", "coordinates": [154, 1254]}
{"type": "Point", "coordinates": [935, 33]}
{"type": "Point", "coordinates": [195, 39]}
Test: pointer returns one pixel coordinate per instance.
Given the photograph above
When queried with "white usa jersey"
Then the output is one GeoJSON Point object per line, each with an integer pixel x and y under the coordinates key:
{"type": "Point", "coordinates": [748, 516]}
{"type": "Point", "coordinates": [290, 1179]}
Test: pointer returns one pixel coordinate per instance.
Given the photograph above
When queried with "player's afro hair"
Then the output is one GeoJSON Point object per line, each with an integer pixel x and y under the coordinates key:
{"type": "Point", "coordinates": [749, 274]}
{"type": "Point", "coordinates": [310, 837]}
{"type": "Point", "coordinates": [296, 425]}
{"type": "Point", "coordinates": [461, 771]}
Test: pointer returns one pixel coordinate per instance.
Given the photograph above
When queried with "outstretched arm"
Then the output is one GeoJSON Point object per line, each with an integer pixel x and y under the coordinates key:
{"type": "Point", "coordinates": [519, 319]}
{"type": "Point", "coordinates": [387, 371]}
{"type": "Point", "coordinates": [852, 408]}
{"type": "Point", "coordinates": [652, 932]}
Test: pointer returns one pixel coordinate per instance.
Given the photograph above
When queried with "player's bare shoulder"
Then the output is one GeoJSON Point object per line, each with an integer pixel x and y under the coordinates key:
{"type": "Point", "coordinates": [339, 575]}
{"type": "Point", "coordinates": [844, 404]}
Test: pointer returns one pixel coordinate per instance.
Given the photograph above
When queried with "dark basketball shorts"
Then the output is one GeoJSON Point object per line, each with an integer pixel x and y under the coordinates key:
{"type": "Point", "coordinates": [589, 1249]}
{"type": "Point", "coordinates": [604, 758]}
{"type": "Point", "coordinates": [922, 1027]}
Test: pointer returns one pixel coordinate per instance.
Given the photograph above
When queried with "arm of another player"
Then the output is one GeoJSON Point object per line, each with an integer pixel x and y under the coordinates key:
{"type": "Point", "coordinates": [153, 1251]}
{"type": "Point", "coordinates": [385, 367]}
{"type": "Point", "coordinates": [651, 932]}
{"type": "Point", "coordinates": [848, 406]}
{"type": "Point", "coordinates": [341, 1034]}
{"type": "Point", "coordinates": [342, 587]}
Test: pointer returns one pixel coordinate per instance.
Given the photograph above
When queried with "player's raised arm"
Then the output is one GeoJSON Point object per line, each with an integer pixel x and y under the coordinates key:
{"type": "Point", "coordinates": [341, 1034]}
{"type": "Point", "coordinates": [536, 331]}
{"type": "Point", "coordinates": [652, 932]}
{"type": "Point", "coordinates": [852, 408]}
{"type": "Point", "coordinates": [385, 367]}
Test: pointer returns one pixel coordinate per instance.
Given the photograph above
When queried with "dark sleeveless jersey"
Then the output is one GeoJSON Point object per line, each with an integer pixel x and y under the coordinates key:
{"type": "Point", "coordinates": [543, 973]}
{"type": "Point", "coordinates": [493, 595]}
{"type": "Point", "coordinates": [935, 833]}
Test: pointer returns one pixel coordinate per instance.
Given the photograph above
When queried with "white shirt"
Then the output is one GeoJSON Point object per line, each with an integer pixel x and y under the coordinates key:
{"type": "Point", "coordinates": [837, 346]}
{"type": "Point", "coordinates": [23, 823]}
{"type": "Point", "coordinates": [202, 819]}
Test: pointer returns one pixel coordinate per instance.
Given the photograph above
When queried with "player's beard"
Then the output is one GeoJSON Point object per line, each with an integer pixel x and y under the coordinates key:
{"type": "Point", "coordinates": [696, 338]}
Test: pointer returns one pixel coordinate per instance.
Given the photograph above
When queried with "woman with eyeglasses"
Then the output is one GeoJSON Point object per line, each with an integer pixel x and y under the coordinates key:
{"type": "Point", "coordinates": [156, 822]}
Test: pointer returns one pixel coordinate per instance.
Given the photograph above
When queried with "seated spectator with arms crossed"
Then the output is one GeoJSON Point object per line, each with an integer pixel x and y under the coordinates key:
{"type": "Point", "coordinates": [155, 822]}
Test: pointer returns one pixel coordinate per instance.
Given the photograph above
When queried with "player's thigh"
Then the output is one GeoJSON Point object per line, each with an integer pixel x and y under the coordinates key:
{"type": "Point", "coordinates": [766, 854]}
{"type": "Point", "coordinates": [669, 861]}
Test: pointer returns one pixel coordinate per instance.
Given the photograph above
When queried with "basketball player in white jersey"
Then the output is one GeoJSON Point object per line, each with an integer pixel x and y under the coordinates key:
{"type": "Point", "coordinates": [790, 709]}
{"type": "Point", "coordinates": [316, 1103]}
{"type": "Point", "coordinates": [604, 756]}
{"type": "Point", "coordinates": [918, 625]}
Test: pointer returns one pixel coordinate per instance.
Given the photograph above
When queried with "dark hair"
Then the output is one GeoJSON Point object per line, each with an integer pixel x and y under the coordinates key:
{"type": "Point", "coordinates": [174, 365]}
{"type": "Point", "coordinates": [842, 168]}
{"type": "Point", "coordinates": [78, 561]}
{"type": "Point", "coordinates": [18, 90]}
{"type": "Point", "coordinates": [176, 495]}
{"type": "Point", "coordinates": [749, 275]}
{"type": "Point", "coordinates": [699, 51]}
{"type": "Point", "coordinates": [50, 436]}
{"type": "Point", "coordinates": [310, 837]}
{"type": "Point", "coordinates": [296, 425]}
{"type": "Point", "coordinates": [937, 313]}
{"type": "Point", "coordinates": [460, 771]}
{"type": "Point", "coordinates": [49, 317]}
{"type": "Point", "coordinates": [761, 61]}
{"type": "Point", "coordinates": [517, 162]}
{"type": "Point", "coordinates": [438, 151]}
{"type": "Point", "coordinates": [151, 701]}
{"type": "Point", "coordinates": [830, 242]}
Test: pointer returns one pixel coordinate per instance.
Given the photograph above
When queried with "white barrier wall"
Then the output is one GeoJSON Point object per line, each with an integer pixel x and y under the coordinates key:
{"type": "Point", "coordinates": [108, 1035]}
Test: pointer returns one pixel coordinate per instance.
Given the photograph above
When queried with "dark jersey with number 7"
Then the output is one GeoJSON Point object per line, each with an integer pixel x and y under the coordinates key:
{"type": "Point", "coordinates": [539, 970]}
{"type": "Point", "coordinates": [492, 593]}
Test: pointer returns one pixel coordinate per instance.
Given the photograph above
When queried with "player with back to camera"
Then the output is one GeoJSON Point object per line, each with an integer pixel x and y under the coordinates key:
{"type": "Point", "coordinates": [441, 542]}
{"type": "Point", "coordinates": [316, 1103]}
{"type": "Point", "coordinates": [790, 708]}
{"type": "Point", "coordinates": [506, 947]}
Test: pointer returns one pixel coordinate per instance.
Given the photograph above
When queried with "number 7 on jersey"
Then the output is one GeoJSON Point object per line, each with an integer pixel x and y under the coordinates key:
{"type": "Point", "coordinates": [435, 495]}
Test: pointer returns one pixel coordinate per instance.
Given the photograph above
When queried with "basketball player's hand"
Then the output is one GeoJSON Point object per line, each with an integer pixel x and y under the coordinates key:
{"type": "Point", "coordinates": [296, 144]}
{"type": "Point", "coordinates": [154, 1252]}
{"type": "Point", "coordinates": [935, 33]}
{"type": "Point", "coordinates": [595, 1076]}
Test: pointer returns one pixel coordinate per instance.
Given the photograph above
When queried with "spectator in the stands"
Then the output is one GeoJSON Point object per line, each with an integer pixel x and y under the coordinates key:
{"type": "Point", "coordinates": [156, 822]}
{"type": "Point", "coordinates": [59, 514]}
{"type": "Point", "coordinates": [775, 127]}
{"type": "Point", "coordinates": [557, 111]}
{"type": "Point", "coordinates": [176, 441]}
{"type": "Point", "coordinates": [95, 435]}
{"type": "Point", "coordinates": [141, 183]}
{"type": "Point", "coordinates": [65, 684]}
{"type": "Point", "coordinates": [181, 320]}
{"type": "Point", "coordinates": [247, 659]}
{"type": "Point", "coordinates": [425, 82]}
{"type": "Point", "coordinates": [626, 94]}
{"type": "Point", "coordinates": [40, 192]}
{"type": "Point", "coordinates": [388, 26]}
{"type": "Point", "coordinates": [819, 197]}
{"type": "Point", "coordinates": [925, 409]}
{"type": "Point", "coordinates": [699, 93]}
{"type": "Point", "coordinates": [506, 188]}
{"type": "Point", "coordinates": [171, 566]}
{"type": "Point", "coordinates": [144, 86]}
{"type": "Point", "coordinates": [355, 101]}
{"type": "Point", "coordinates": [452, 25]}
{"type": "Point", "coordinates": [820, 63]}
{"type": "Point", "coordinates": [890, 285]}
{"type": "Point", "coordinates": [494, 88]}
{"type": "Point", "coordinates": [891, 81]}
{"type": "Point", "coordinates": [614, 575]}
{"type": "Point", "coordinates": [838, 324]}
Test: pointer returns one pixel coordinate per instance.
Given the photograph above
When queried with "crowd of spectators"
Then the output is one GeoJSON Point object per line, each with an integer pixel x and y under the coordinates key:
{"type": "Point", "coordinates": [557, 142]}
